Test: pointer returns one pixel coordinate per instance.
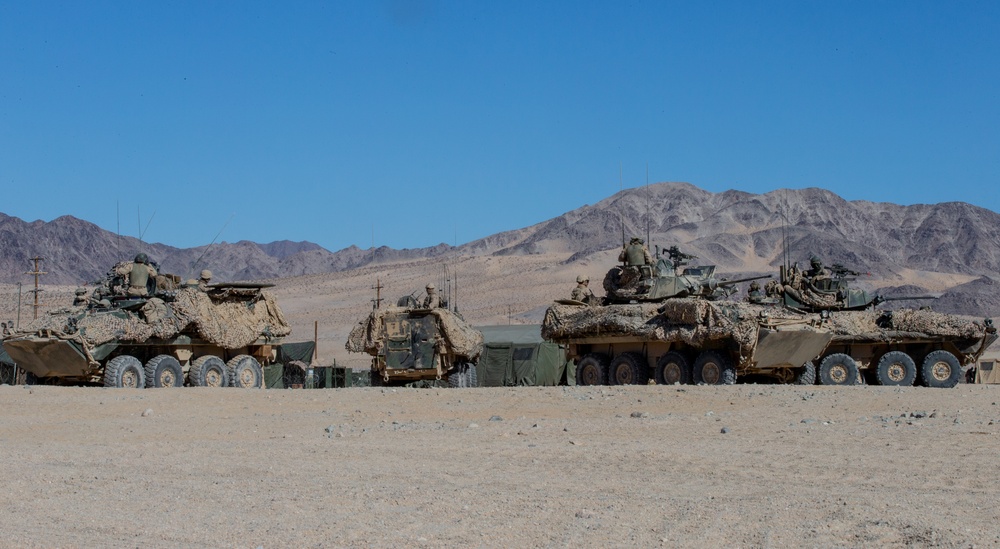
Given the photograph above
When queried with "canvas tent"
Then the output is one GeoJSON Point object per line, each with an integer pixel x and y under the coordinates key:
{"type": "Point", "coordinates": [517, 355]}
{"type": "Point", "coordinates": [8, 372]}
{"type": "Point", "coordinates": [988, 367]}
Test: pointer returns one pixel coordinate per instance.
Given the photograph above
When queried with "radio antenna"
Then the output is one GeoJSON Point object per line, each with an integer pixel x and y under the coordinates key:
{"type": "Point", "coordinates": [621, 195]}
{"type": "Point", "coordinates": [195, 266]}
{"type": "Point", "coordinates": [647, 203]}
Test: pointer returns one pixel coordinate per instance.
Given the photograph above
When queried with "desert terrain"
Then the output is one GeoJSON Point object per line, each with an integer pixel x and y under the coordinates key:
{"type": "Point", "coordinates": [641, 466]}
{"type": "Point", "coordinates": [692, 466]}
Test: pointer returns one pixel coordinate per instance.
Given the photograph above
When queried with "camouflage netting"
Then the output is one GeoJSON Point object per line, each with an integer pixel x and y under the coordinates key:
{"type": "Point", "coordinates": [696, 322]}
{"type": "Point", "coordinates": [461, 339]}
{"type": "Point", "coordinates": [227, 323]}
{"type": "Point", "coordinates": [691, 321]}
{"type": "Point", "coordinates": [877, 325]}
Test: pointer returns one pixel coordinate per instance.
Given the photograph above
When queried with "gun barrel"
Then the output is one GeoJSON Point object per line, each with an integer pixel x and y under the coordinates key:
{"type": "Point", "coordinates": [747, 279]}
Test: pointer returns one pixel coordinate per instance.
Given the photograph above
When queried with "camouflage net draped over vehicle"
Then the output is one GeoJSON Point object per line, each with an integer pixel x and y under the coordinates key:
{"type": "Point", "coordinates": [462, 340]}
{"type": "Point", "coordinates": [878, 325]}
{"type": "Point", "coordinates": [228, 324]}
{"type": "Point", "coordinates": [694, 322]}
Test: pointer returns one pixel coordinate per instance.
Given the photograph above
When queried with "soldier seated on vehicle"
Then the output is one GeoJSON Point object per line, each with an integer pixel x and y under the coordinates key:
{"type": "Point", "coordinates": [636, 254]}
{"type": "Point", "coordinates": [6, 330]}
{"type": "Point", "coordinates": [817, 271]}
{"type": "Point", "coordinates": [433, 300]}
{"type": "Point", "coordinates": [204, 280]}
{"type": "Point", "coordinates": [139, 276]}
{"type": "Point", "coordinates": [582, 292]}
{"type": "Point", "coordinates": [754, 294]}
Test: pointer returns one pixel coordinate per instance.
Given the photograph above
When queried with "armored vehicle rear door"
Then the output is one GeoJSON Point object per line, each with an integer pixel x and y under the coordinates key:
{"type": "Point", "coordinates": [410, 342]}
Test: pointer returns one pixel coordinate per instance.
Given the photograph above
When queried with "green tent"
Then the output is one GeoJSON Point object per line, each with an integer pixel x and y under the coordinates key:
{"type": "Point", "coordinates": [8, 372]}
{"type": "Point", "coordinates": [517, 355]}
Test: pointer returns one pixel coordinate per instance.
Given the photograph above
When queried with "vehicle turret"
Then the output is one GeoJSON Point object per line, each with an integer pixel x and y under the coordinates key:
{"type": "Point", "coordinates": [669, 277]}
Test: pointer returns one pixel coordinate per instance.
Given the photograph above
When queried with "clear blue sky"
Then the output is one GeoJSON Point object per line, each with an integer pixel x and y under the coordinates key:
{"type": "Point", "coordinates": [446, 121]}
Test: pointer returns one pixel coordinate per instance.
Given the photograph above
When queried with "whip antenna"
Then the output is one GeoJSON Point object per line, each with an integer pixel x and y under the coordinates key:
{"type": "Point", "coordinates": [193, 267]}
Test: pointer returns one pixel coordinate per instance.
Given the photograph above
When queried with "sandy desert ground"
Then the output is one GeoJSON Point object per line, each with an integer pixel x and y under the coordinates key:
{"type": "Point", "coordinates": [737, 466]}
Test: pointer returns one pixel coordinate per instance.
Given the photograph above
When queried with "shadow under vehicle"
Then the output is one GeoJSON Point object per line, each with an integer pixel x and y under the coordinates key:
{"type": "Point", "coordinates": [213, 338]}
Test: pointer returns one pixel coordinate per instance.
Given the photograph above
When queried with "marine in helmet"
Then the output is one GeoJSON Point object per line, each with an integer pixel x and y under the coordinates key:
{"type": "Point", "coordinates": [80, 298]}
{"type": "Point", "coordinates": [6, 330]}
{"type": "Point", "coordinates": [204, 280]}
{"type": "Point", "coordinates": [139, 276]}
{"type": "Point", "coordinates": [816, 270]}
{"type": "Point", "coordinates": [636, 253]}
{"type": "Point", "coordinates": [582, 292]}
{"type": "Point", "coordinates": [433, 300]}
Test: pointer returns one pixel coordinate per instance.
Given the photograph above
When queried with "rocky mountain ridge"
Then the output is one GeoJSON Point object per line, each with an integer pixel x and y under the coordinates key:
{"type": "Point", "coordinates": [948, 247]}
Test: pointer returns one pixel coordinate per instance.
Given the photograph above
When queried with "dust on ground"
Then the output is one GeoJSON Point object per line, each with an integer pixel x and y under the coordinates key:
{"type": "Point", "coordinates": [687, 466]}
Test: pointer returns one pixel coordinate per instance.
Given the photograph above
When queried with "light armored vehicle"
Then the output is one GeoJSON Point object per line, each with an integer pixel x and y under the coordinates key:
{"type": "Point", "coordinates": [217, 337]}
{"type": "Point", "coordinates": [705, 340]}
{"type": "Point", "coordinates": [409, 343]}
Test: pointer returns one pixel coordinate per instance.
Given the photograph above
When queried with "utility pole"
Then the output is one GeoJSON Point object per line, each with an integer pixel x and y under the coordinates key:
{"type": "Point", "coordinates": [37, 273]}
{"type": "Point", "coordinates": [378, 293]}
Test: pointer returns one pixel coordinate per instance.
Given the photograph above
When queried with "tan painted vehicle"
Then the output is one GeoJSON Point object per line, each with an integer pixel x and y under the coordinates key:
{"type": "Point", "coordinates": [685, 340]}
{"type": "Point", "coordinates": [902, 347]}
{"type": "Point", "coordinates": [217, 336]}
{"type": "Point", "coordinates": [409, 343]}
{"type": "Point", "coordinates": [702, 339]}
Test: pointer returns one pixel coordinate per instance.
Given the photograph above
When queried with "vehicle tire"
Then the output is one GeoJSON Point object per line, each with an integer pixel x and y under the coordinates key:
{"type": "Point", "coordinates": [124, 371]}
{"type": "Point", "coordinates": [673, 368]}
{"type": "Point", "coordinates": [806, 375]}
{"type": "Point", "coordinates": [629, 369]}
{"type": "Point", "coordinates": [208, 371]}
{"type": "Point", "coordinates": [464, 376]}
{"type": "Point", "coordinates": [245, 373]}
{"type": "Point", "coordinates": [895, 368]}
{"type": "Point", "coordinates": [164, 371]}
{"type": "Point", "coordinates": [838, 369]}
{"type": "Point", "coordinates": [713, 368]}
{"type": "Point", "coordinates": [592, 370]}
{"type": "Point", "coordinates": [940, 369]}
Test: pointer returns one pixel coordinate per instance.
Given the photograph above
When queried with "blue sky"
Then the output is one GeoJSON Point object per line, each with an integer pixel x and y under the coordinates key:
{"type": "Point", "coordinates": [428, 121]}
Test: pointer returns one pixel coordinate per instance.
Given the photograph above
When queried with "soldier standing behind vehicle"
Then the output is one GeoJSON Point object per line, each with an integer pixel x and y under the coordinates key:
{"type": "Point", "coordinates": [139, 276]}
{"type": "Point", "coordinates": [433, 300]}
{"type": "Point", "coordinates": [582, 292]}
{"type": "Point", "coordinates": [636, 253]}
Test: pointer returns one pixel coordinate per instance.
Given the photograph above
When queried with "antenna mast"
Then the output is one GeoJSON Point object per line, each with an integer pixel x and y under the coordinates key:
{"type": "Point", "coordinates": [377, 302]}
{"type": "Point", "coordinates": [37, 272]}
{"type": "Point", "coordinates": [647, 203]}
{"type": "Point", "coordinates": [621, 194]}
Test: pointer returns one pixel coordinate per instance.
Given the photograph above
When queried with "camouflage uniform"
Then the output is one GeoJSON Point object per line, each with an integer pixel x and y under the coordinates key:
{"type": "Point", "coordinates": [205, 280]}
{"type": "Point", "coordinates": [582, 292]}
{"type": "Point", "coordinates": [140, 274]}
{"type": "Point", "coordinates": [81, 298]}
{"type": "Point", "coordinates": [636, 254]}
{"type": "Point", "coordinates": [433, 300]}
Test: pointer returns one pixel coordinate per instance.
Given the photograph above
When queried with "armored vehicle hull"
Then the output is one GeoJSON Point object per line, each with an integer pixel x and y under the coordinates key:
{"type": "Point", "coordinates": [685, 340]}
{"type": "Point", "coordinates": [409, 345]}
{"type": "Point", "coordinates": [902, 347]}
{"type": "Point", "coordinates": [697, 341]}
{"type": "Point", "coordinates": [218, 337]}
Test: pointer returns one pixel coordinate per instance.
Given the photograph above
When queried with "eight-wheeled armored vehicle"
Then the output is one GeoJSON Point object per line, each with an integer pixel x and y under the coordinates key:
{"type": "Point", "coordinates": [217, 337]}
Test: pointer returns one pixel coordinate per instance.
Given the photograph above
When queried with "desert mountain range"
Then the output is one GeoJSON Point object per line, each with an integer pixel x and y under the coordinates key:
{"type": "Point", "coordinates": [951, 250]}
